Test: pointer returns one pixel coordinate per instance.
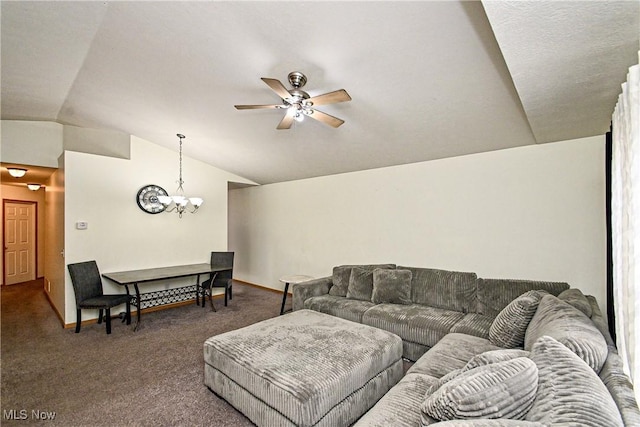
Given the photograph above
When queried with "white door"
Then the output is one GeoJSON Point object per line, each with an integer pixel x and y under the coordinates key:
{"type": "Point", "coordinates": [19, 242]}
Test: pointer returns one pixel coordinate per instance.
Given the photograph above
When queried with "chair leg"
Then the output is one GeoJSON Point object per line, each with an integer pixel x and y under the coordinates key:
{"type": "Point", "coordinates": [99, 316]}
{"type": "Point", "coordinates": [226, 293]}
{"type": "Point", "coordinates": [108, 310]}
{"type": "Point", "coordinates": [204, 292]}
{"type": "Point", "coordinates": [230, 289]}
{"type": "Point", "coordinates": [78, 320]}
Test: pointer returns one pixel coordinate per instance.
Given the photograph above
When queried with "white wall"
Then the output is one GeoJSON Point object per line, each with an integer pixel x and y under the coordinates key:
{"type": "Point", "coordinates": [535, 212]}
{"type": "Point", "coordinates": [102, 191]}
{"type": "Point", "coordinates": [31, 143]}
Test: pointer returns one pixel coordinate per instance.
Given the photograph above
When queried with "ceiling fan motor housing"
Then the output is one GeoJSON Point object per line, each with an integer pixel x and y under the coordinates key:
{"type": "Point", "coordinates": [297, 79]}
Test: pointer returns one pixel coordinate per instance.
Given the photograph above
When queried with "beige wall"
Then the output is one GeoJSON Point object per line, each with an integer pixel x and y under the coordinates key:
{"type": "Point", "coordinates": [534, 212]}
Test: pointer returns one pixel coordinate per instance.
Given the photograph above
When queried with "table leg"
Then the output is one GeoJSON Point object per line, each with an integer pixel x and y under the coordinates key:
{"type": "Point", "coordinates": [128, 314]}
{"type": "Point", "coordinates": [198, 290]}
{"type": "Point", "coordinates": [138, 306]}
{"type": "Point", "coordinates": [284, 297]}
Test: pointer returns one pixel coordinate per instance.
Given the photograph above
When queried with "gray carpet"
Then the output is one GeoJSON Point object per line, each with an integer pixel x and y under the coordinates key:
{"type": "Point", "coordinates": [150, 377]}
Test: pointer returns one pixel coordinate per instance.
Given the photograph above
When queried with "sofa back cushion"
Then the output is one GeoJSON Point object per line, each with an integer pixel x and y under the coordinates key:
{"type": "Point", "coordinates": [495, 294]}
{"type": "Point", "coordinates": [342, 274]}
{"type": "Point", "coordinates": [451, 290]}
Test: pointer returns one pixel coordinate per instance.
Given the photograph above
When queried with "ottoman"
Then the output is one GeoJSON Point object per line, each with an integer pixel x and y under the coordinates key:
{"type": "Point", "coordinates": [303, 369]}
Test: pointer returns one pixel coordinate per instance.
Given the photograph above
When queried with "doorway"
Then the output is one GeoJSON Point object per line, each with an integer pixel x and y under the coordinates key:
{"type": "Point", "coordinates": [20, 241]}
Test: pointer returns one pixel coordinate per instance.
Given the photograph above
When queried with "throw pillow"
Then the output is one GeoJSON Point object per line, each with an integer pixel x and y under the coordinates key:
{"type": "Point", "coordinates": [340, 279]}
{"type": "Point", "coordinates": [391, 286]}
{"type": "Point", "coordinates": [509, 327]}
{"type": "Point", "coordinates": [571, 327]}
{"type": "Point", "coordinates": [499, 390]}
{"type": "Point", "coordinates": [576, 298]}
{"type": "Point", "coordinates": [342, 274]}
{"type": "Point", "coordinates": [360, 284]}
{"type": "Point", "coordinates": [569, 391]}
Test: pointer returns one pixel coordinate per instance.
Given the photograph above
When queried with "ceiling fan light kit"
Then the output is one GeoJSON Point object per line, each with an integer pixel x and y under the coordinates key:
{"type": "Point", "coordinates": [299, 103]}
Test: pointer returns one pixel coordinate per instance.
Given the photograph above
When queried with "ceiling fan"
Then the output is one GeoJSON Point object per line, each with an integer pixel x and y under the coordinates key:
{"type": "Point", "coordinates": [298, 103]}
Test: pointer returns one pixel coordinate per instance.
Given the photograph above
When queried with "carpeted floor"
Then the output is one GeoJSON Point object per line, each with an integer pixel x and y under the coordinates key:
{"type": "Point", "coordinates": [150, 377]}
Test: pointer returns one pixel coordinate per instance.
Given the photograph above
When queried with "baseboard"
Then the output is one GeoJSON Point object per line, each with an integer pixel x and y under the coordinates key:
{"type": "Point", "coordinates": [55, 310]}
{"type": "Point", "coordinates": [278, 291]}
{"type": "Point", "coordinates": [162, 307]}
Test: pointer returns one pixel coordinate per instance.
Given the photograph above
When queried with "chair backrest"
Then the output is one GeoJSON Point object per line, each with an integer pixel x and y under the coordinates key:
{"type": "Point", "coordinates": [222, 259]}
{"type": "Point", "coordinates": [86, 280]}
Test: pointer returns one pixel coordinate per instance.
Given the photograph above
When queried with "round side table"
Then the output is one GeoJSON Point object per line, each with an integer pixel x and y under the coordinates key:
{"type": "Point", "coordinates": [291, 280]}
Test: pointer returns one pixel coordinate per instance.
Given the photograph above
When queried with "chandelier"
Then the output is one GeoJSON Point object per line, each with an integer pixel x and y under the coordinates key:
{"type": "Point", "coordinates": [179, 202]}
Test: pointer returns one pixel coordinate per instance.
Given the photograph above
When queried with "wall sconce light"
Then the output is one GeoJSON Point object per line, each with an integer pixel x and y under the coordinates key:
{"type": "Point", "coordinates": [17, 172]}
{"type": "Point", "coordinates": [34, 187]}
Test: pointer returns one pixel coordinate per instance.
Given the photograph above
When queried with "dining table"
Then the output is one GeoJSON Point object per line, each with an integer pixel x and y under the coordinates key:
{"type": "Point", "coordinates": [149, 275]}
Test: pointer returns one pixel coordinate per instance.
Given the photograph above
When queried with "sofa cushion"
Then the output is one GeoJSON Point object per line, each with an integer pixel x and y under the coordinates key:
{"type": "Point", "coordinates": [342, 274]}
{"type": "Point", "coordinates": [571, 327]}
{"type": "Point", "coordinates": [414, 323]}
{"type": "Point", "coordinates": [474, 324]}
{"type": "Point", "coordinates": [510, 325]}
{"type": "Point", "coordinates": [345, 308]}
{"type": "Point", "coordinates": [400, 407]}
{"type": "Point", "coordinates": [452, 290]}
{"type": "Point", "coordinates": [360, 284]}
{"type": "Point", "coordinates": [576, 298]}
{"type": "Point", "coordinates": [499, 390]}
{"type": "Point", "coordinates": [391, 286]}
{"type": "Point", "coordinates": [569, 392]}
{"type": "Point", "coordinates": [495, 294]}
{"type": "Point", "coordinates": [452, 352]}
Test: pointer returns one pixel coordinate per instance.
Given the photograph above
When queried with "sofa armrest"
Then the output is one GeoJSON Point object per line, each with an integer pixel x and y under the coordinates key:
{"type": "Point", "coordinates": [312, 288]}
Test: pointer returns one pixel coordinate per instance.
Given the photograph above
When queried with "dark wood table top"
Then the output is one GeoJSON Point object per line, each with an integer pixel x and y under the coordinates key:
{"type": "Point", "coordinates": [160, 273]}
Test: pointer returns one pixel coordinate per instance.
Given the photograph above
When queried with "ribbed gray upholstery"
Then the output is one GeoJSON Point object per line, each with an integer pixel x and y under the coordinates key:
{"type": "Point", "coordinates": [620, 387]}
{"type": "Point", "coordinates": [261, 414]}
{"type": "Point", "coordinates": [303, 365]}
{"type": "Point", "coordinates": [413, 351]}
{"type": "Point", "coordinates": [495, 294]}
{"type": "Point", "coordinates": [414, 323]}
{"type": "Point", "coordinates": [571, 327]}
{"type": "Point", "coordinates": [400, 407]}
{"type": "Point", "coordinates": [344, 308]}
{"type": "Point", "coordinates": [474, 324]}
{"type": "Point", "coordinates": [569, 391]}
{"type": "Point", "coordinates": [451, 290]}
{"type": "Point", "coordinates": [311, 288]}
{"type": "Point", "coordinates": [452, 352]}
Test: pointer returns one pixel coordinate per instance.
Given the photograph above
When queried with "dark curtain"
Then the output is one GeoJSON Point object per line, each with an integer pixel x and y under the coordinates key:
{"type": "Point", "coordinates": [611, 318]}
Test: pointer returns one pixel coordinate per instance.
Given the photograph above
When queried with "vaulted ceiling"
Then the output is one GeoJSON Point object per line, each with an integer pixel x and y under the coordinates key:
{"type": "Point", "coordinates": [428, 79]}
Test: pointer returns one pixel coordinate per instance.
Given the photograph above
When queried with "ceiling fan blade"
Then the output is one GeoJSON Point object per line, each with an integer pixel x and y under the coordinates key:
{"type": "Point", "coordinates": [253, 107]}
{"type": "Point", "coordinates": [287, 120]}
{"type": "Point", "coordinates": [326, 118]}
{"type": "Point", "coordinates": [330, 98]}
{"type": "Point", "coordinates": [277, 87]}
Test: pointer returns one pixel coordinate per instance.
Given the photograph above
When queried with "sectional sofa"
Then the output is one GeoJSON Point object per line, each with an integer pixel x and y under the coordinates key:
{"type": "Point", "coordinates": [487, 352]}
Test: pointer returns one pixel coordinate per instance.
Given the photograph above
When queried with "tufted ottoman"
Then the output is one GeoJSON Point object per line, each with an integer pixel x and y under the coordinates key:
{"type": "Point", "coordinates": [303, 369]}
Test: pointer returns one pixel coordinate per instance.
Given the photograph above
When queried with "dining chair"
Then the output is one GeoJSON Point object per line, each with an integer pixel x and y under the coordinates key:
{"type": "Point", "coordinates": [222, 279]}
{"type": "Point", "coordinates": [87, 286]}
